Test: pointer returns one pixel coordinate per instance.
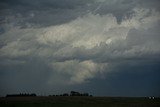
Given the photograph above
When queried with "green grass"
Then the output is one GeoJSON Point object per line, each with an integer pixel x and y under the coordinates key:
{"type": "Point", "coordinates": [78, 102]}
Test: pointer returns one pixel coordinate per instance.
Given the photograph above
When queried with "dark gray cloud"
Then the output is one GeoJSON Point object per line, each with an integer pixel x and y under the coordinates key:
{"type": "Point", "coordinates": [70, 44]}
{"type": "Point", "coordinates": [28, 13]}
{"type": "Point", "coordinates": [42, 13]}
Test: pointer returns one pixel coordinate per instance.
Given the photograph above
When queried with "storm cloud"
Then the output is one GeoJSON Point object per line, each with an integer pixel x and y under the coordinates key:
{"type": "Point", "coordinates": [65, 43]}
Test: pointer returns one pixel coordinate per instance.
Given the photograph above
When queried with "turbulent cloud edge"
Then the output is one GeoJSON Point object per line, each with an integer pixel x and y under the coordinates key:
{"type": "Point", "coordinates": [83, 47]}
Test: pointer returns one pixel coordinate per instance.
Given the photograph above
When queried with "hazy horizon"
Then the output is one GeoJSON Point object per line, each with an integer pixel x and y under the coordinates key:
{"type": "Point", "coordinates": [102, 47]}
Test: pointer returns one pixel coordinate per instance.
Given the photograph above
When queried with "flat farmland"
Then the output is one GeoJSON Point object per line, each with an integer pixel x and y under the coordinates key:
{"type": "Point", "coordinates": [69, 101]}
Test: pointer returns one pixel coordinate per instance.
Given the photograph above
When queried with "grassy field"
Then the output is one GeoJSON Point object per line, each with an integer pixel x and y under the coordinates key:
{"type": "Point", "coordinates": [78, 102]}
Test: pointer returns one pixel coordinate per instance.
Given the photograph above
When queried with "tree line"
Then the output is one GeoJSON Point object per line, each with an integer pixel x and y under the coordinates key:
{"type": "Point", "coordinates": [73, 93]}
{"type": "Point", "coordinates": [21, 95]}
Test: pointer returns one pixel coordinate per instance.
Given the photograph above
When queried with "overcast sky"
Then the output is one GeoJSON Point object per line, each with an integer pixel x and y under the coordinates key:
{"type": "Point", "coordinates": [103, 47]}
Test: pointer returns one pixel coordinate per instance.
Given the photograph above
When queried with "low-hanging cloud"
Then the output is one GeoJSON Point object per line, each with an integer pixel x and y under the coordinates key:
{"type": "Point", "coordinates": [82, 48]}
